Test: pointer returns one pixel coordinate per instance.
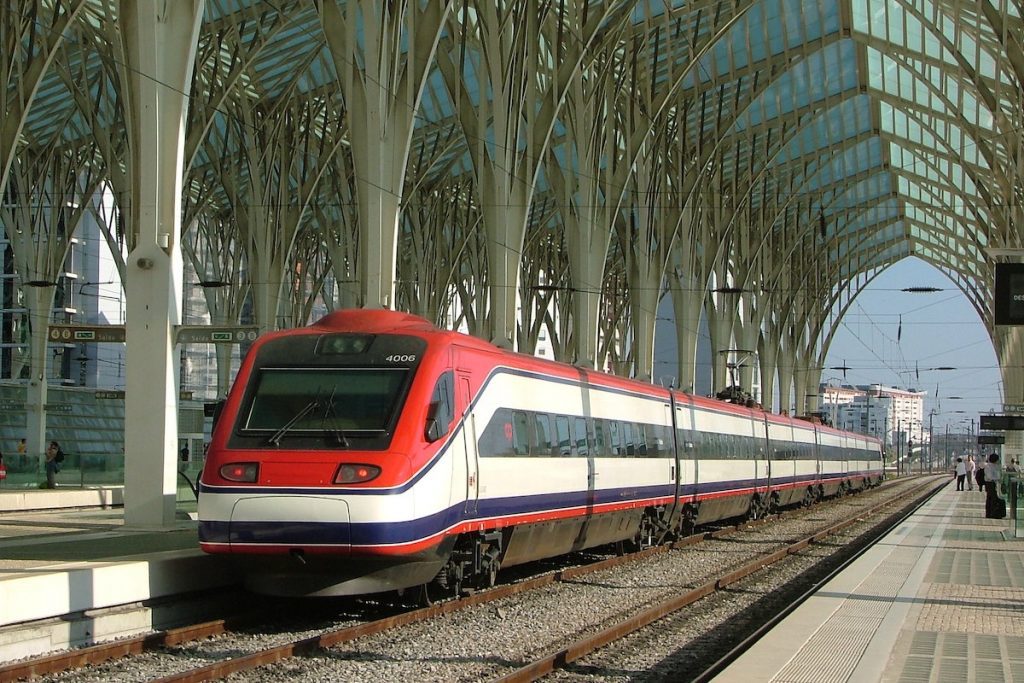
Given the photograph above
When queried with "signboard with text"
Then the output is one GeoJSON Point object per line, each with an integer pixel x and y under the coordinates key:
{"type": "Point", "coordinates": [213, 334]}
{"type": "Point", "coordinates": [74, 334]}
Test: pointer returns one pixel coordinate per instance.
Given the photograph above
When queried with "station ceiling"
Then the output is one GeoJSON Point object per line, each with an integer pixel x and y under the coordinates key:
{"type": "Point", "coordinates": [874, 129]}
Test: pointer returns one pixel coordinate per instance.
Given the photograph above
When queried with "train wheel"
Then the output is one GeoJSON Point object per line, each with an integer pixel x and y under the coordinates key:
{"type": "Point", "coordinates": [492, 573]}
{"type": "Point", "coordinates": [426, 597]}
{"type": "Point", "coordinates": [688, 520]}
{"type": "Point", "coordinates": [808, 499]}
{"type": "Point", "coordinates": [758, 508]}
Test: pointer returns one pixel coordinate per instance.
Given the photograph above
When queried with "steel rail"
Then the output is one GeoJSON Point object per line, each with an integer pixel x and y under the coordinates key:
{"type": "Point", "coordinates": [548, 663]}
{"type": "Point", "coordinates": [104, 652]}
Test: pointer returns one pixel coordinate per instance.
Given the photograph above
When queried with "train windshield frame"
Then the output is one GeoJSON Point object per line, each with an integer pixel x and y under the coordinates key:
{"type": "Point", "coordinates": [325, 400]}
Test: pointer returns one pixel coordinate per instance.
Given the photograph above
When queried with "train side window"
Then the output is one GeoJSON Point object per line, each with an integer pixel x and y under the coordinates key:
{"type": "Point", "coordinates": [496, 439]}
{"type": "Point", "coordinates": [600, 446]}
{"type": "Point", "coordinates": [615, 434]}
{"type": "Point", "coordinates": [627, 438]}
{"type": "Point", "coordinates": [641, 439]}
{"type": "Point", "coordinates": [697, 442]}
{"type": "Point", "coordinates": [542, 424]}
{"type": "Point", "coordinates": [441, 411]}
{"type": "Point", "coordinates": [562, 429]}
{"type": "Point", "coordinates": [581, 437]}
{"type": "Point", "coordinates": [520, 433]}
{"type": "Point", "coordinates": [715, 449]}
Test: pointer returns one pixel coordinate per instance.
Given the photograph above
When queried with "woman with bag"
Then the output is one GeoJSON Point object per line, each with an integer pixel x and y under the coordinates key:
{"type": "Point", "coordinates": [995, 507]}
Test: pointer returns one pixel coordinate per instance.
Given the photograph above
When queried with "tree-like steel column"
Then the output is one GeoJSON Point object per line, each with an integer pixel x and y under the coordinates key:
{"type": "Point", "coordinates": [160, 44]}
{"type": "Point", "coordinates": [45, 221]}
{"type": "Point", "coordinates": [32, 33]}
{"type": "Point", "coordinates": [383, 82]}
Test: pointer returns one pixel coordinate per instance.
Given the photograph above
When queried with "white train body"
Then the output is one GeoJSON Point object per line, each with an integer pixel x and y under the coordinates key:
{"type": "Point", "coordinates": [481, 458]}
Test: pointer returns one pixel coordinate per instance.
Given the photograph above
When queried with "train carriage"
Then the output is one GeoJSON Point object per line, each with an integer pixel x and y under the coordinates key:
{"type": "Point", "coordinates": [372, 451]}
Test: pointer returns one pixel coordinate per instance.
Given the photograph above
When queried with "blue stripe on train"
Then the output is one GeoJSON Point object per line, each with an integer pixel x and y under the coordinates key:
{"type": "Point", "coordinates": [386, 533]}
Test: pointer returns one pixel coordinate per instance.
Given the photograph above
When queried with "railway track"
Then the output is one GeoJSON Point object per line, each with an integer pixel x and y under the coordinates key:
{"type": "Point", "coordinates": [564, 656]}
{"type": "Point", "coordinates": [321, 642]}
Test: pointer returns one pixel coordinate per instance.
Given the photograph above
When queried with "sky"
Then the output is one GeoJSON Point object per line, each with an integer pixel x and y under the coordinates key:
{"type": "Point", "coordinates": [898, 339]}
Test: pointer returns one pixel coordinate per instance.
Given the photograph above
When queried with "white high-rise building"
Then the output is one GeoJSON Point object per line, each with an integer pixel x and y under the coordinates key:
{"type": "Point", "coordinates": [891, 414]}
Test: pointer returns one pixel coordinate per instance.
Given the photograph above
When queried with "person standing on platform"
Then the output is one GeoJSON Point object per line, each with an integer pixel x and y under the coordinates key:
{"type": "Point", "coordinates": [995, 507]}
{"type": "Point", "coordinates": [979, 474]}
{"type": "Point", "coordinates": [961, 474]}
{"type": "Point", "coordinates": [971, 471]}
{"type": "Point", "coordinates": [54, 457]}
{"type": "Point", "coordinates": [22, 460]}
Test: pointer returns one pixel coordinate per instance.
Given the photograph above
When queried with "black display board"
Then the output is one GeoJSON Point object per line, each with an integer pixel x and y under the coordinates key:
{"type": "Point", "coordinates": [1009, 302]}
{"type": "Point", "coordinates": [1004, 423]}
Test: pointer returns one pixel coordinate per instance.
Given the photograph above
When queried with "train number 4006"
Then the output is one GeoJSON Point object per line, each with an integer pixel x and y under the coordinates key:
{"type": "Point", "coordinates": [398, 358]}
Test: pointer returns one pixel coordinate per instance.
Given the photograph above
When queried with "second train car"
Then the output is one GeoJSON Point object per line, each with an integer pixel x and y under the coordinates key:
{"type": "Point", "coordinates": [372, 451]}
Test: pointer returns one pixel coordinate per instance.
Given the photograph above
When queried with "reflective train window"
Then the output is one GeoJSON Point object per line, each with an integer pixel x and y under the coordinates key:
{"type": "Point", "coordinates": [325, 399]}
{"type": "Point", "coordinates": [497, 437]}
{"type": "Point", "coordinates": [542, 427]}
{"type": "Point", "coordinates": [600, 445]}
{"type": "Point", "coordinates": [442, 402]}
{"type": "Point", "coordinates": [581, 437]}
{"type": "Point", "coordinates": [520, 433]}
{"type": "Point", "coordinates": [562, 427]}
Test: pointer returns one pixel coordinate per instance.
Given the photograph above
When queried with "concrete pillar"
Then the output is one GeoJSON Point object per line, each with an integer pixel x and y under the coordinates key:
{"type": "Point", "coordinates": [160, 46]}
{"type": "Point", "coordinates": [39, 301]}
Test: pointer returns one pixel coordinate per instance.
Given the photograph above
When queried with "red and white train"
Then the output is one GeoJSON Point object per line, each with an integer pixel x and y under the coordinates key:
{"type": "Point", "coordinates": [372, 451]}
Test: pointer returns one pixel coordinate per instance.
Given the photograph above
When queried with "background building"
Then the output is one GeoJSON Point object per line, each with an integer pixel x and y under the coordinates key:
{"type": "Point", "coordinates": [894, 415]}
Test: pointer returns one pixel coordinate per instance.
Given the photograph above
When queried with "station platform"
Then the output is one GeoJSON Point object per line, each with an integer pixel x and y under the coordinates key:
{"type": "Point", "coordinates": [72, 574]}
{"type": "Point", "coordinates": [940, 598]}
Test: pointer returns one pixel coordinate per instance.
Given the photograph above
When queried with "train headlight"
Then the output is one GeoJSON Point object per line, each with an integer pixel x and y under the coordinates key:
{"type": "Point", "coordinates": [246, 472]}
{"type": "Point", "coordinates": [356, 474]}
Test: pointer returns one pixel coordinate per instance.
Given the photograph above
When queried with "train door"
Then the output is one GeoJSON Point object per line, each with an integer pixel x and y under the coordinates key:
{"type": "Point", "coordinates": [762, 457]}
{"type": "Point", "coordinates": [693, 447]}
{"type": "Point", "coordinates": [817, 456]}
{"type": "Point", "coordinates": [470, 447]}
{"type": "Point", "coordinates": [765, 446]}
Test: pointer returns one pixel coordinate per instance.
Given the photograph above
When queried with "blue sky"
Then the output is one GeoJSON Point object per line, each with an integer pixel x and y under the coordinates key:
{"type": "Point", "coordinates": [938, 329]}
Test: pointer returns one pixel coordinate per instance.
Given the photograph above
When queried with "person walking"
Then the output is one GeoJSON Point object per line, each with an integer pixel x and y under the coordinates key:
{"type": "Point", "coordinates": [971, 468]}
{"type": "Point", "coordinates": [961, 474]}
{"type": "Point", "coordinates": [995, 507]}
{"type": "Point", "coordinates": [54, 457]}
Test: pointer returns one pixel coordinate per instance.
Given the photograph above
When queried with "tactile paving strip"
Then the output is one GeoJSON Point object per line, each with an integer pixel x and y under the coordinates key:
{"type": "Point", "coordinates": [834, 650]}
{"type": "Point", "coordinates": [966, 567]}
{"type": "Point", "coordinates": [960, 657]}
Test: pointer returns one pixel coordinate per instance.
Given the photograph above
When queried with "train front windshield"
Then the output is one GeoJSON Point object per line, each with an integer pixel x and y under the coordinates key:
{"type": "Point", "coordinates": [325, 400]}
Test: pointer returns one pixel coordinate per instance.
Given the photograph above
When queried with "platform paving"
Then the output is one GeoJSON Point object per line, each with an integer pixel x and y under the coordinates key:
{"type": "Point", "coordinates": [940, 598]}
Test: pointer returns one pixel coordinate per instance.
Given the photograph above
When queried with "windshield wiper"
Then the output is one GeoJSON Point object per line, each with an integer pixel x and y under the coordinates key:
{"type": "Point", "coordinates": [306, 410]}
{"type": "Point", "coordinates": [330, 413]}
